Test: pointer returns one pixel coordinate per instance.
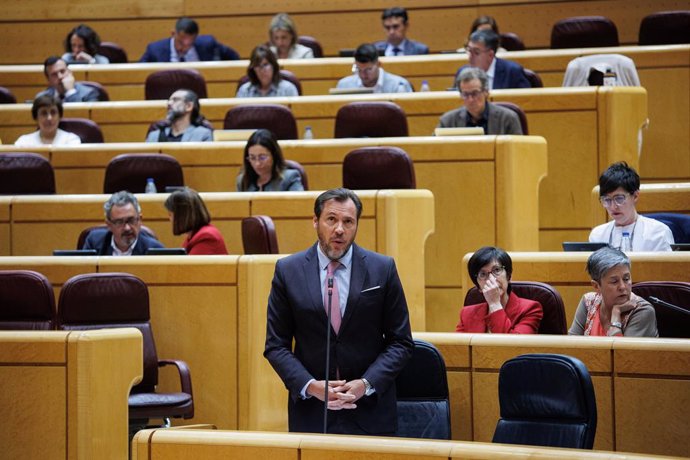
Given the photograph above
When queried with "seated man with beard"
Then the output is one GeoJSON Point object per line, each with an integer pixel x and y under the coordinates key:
{"type": "Point", "coordinates": [184, 122]}
{"type": "Point", "coordinates": [123, 235]}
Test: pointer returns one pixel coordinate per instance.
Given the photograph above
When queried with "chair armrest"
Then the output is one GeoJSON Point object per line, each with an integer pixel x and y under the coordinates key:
{"type": "Point", "coordinates": [183, 369]}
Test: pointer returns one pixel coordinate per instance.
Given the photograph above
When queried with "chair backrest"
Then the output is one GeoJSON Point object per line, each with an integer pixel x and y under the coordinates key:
{"type": "Point", "coordinates": [520, 113]}
{"type": "Point", "coordinates": [27, 301]}
{"type": "Point", "coordinates": [678, 223]}
{"type": "Point", "coordinates": [665, 28]}
{"type": "Point", "coordinates": [6, 96]}
{"type": "Point", "coordinates": [669, 322]}
{"type": "Point", "coordinates": [579, 70]}
{"type": "Point", "coordinates": [553, 321]}
{"type": "Point", "coordinates": [129, 171]}
{"type": "Point", "coordinates": [114, 52]}
{"type": "Point", "coordinates": [546, 400]}
{"type": "Point", "coordinates": [370, 119]}
{"type": "Point", "coordinates": [512, 42]}
{"type": "Point", "coordinates": [422, 394]}
{"type": "Point", "coordinates": [110, 300]}
{"type": "Point", "coordinates": [88, 130]}
{"type": "Point", "coordinates": [161, 84]}
{"type": "Point", "coordinates": [102, 93]}
{"type": "Point", "coordinates": [259, 235]}
{"type": "Point", "coordinates": [24, 173]}
{"type": "Point", "coordinates": [373, 168]}
{"type": "Point", "coordinates": [312, 43]}
{"type": "Point", "coordinates": [274, 117]}
{"type": "Point", "coordinates": [584, 32]}
{"type": "Point", "coordinates": [85, 233]}
{"type": "Point", "coordinates": [284, 74]}
{"type": "Point", "coordinates": [292, 164]}
{"type": "Point", "coordinates": [533, 78]}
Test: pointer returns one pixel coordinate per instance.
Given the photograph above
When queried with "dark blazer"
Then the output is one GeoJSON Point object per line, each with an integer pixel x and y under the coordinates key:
{"type": "Point", "coordinates": [411, 47]}
{"type": "Point", "coordinates": [501, 120]}
{"type": "Point", "coordinates": [84, 94]}
{"type": "Point", "coordinates": [508, 74]}
{"type": "Point", "coordinates": [206, 46]}
{"type": "Point", "coordinates": [374, 341]}
{"type": "Point", "coordinates": [100, 238]}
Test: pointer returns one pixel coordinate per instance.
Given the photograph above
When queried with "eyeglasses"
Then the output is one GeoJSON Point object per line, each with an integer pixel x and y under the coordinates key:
{"type": "Point", "coordinates": [475, 51]}
{"type": "Point", "coordinates": [261, 158]}
{"type": "Point", "coordinates": [496, 271]}
{"type": "Point", "coordinates": [471, 94]}
{"type": "Point", "coordinates": [619, 200]}
{"type": "Point", "coordinates": [131, 221]}
{"type": "Point", "coordinates": [363, 70]}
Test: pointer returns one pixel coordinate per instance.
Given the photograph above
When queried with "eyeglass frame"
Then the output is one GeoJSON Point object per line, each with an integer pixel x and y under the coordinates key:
{"type": "Point", "coordinates": [366, 70]}
{"type": "Point", "coordinates": [472, 95]}
{"type": "Point", "coordinates": [476, 51]}
{"type": "Point", "coordinates": [258, 158]}
{"type": "Point", "coordinates": [617, 200]}
{"type": "Point", "coordinates": [131, 221]}
{"type": "Point", "coordinates": [496, 271]}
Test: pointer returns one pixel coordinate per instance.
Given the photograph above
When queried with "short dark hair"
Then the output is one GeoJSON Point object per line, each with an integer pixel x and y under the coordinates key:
{"type": "Point", "coordinates": [189, 211]}
{"type": "Point", "coordinates": [260, 53]}
{"type": "Point", "coordinates": [619, 175]}
{"type": "Point", "coordinates": [91, 39]}
{"type": "Point", "coordinates": [365, 53]}
{"type": "Point", "coordinates": [485, 255]}
{"type": "Point", "coordinates": [266, 139]}
{"type": "Point", "coordinates": [489, 38]}
{"type": "Point", "coordinates": [395, 12]}
{"type": "Point", "coordinates": [340, 195]}
{"type": "Point", "coordinates": [45, 100]}
{"type": "Point", "coordinates": [50, 61]}
{"type": "Point", "coordinates": [187, 25]}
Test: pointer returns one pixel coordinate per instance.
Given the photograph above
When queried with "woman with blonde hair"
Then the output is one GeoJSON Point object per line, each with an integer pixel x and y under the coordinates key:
{"type": "Point", "coordinates": [283, 37]}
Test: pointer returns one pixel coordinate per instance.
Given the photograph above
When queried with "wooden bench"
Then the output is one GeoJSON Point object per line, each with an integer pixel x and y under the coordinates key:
{"type": "Point", "coordinates": [64, 394]}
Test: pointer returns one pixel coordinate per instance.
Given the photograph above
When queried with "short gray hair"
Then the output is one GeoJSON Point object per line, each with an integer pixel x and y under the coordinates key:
{"type": "Point", "coordinates": [472, 73]}
{"type": "Point", "coordinates": [122, 198]}
{"type": "Point", "coordinates": [604, 260]}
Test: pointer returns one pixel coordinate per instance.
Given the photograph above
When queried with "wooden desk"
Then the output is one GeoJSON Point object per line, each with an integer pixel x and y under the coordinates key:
{"type": "Point", "coordinates": [64, 394]}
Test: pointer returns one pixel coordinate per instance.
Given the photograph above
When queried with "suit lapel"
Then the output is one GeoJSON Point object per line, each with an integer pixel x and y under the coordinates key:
{"type": "Point", "coordinates": [357, 279]}
{"type": "Point", "coordinates": [311, 275]}
{"type": "Point", "coordinates": [499, 74]}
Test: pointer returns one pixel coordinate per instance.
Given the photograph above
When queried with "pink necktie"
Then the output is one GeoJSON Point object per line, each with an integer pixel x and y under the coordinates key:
{"type": "Point", "coordinates": [335, 298]}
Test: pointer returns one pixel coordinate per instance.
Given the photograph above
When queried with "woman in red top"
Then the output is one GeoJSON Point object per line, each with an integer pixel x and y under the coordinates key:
{"type": "Point", "coordinates": [189, 215]}
{"type": "Point", "coordinates": [503, 312]}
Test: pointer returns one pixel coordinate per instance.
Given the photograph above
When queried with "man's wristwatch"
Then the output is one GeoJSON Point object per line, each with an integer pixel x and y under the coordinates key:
{"type": "Point", "coordinates": [368, 390]}
{"type": "Point", "coordinates": [617, 324]}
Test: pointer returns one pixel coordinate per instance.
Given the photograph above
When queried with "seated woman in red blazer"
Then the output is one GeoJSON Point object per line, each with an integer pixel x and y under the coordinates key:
{"type": "Point", "coordinates": [503, 312]}
{"type": "Point", "coordinates": [189, 215]}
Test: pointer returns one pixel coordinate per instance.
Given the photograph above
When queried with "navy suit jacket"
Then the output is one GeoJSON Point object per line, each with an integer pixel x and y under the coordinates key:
{"type": "Point", "coordinates": [411, 47]}
{"type": "Point", "coordinates": [206, 46]}
{"type": "Point", "coordinates": [84, 94]}
{"type": "Point", "coordinates": [508, 74]}
{"type": "Point", "coordinates": [100, 238]}
{"type": "Point", "coordinates": [374, 340]}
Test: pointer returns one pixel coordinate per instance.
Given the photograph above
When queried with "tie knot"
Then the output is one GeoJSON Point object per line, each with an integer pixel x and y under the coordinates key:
{"type": "Point", "coordinates": [396, 51]}
{"type": "Point", "coordinates": [332, 267]}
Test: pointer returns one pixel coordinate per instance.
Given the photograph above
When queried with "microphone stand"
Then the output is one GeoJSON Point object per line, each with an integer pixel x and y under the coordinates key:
{"type": "Point", "coordinates": [670, 306]}
{"type": "Point", "coordinates": [328, 355]}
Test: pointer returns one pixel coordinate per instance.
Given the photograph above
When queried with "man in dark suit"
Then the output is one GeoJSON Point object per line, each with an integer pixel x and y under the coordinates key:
{"type": "Point", "coordinates": [370, 328]}
{"type": "Point", "coordinates": [481, 50]}
{"type": "Point", "coordinates": [62, 85]}
{"type": "Point", "coordinates": [123, 237]}
{"type": "Point", "coordinates": [186, 45]}
{"type": "Point", "coordinates": [395, 23]}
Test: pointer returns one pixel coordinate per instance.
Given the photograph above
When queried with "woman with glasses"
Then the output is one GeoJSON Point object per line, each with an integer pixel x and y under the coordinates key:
{"type": "Point", "coordinates": [619, 189]}
{"type": "Point", "coordinates": [189, 216]}
{"type": "Point", "coordinates": [612, 309]}
{"type": "Point", "coordinates": [282, 34]}
{"type": "Point", "coordinates": [264, 168]}
{"type": "Point", "coordinates": [47, 111]}
{"type": "Point", "coordinates": [264, 77]}
{"type": "Point", "coordinates": [502, 312]}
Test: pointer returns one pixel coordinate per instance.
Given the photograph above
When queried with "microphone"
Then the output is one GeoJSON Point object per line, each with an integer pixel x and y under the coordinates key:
{"type": "Point", "coordinates": [328, 354]}
{"type": "Point", "coordinates": [670, 306]}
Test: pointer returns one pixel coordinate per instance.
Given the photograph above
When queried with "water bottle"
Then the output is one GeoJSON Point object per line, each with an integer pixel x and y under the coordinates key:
{"type": "Point", "coordinates": [308, 134]}
{"type": "Point", "coordinates": [401, 87]}
{"type": "Point", "coordinates": [150, 186]}
{"type": "Point", "coordinates": [626, 244]}
{"type": "Point", "coordinates": [610, 77]}
{"type": "Point", "coordinates": [425, 86]}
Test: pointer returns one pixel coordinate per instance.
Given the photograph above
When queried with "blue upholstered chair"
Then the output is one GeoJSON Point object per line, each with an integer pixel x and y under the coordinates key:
{"type": "Point", "coordinates": [678, 223]}
{"type": "Point", "coordinates": [546, 400]}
